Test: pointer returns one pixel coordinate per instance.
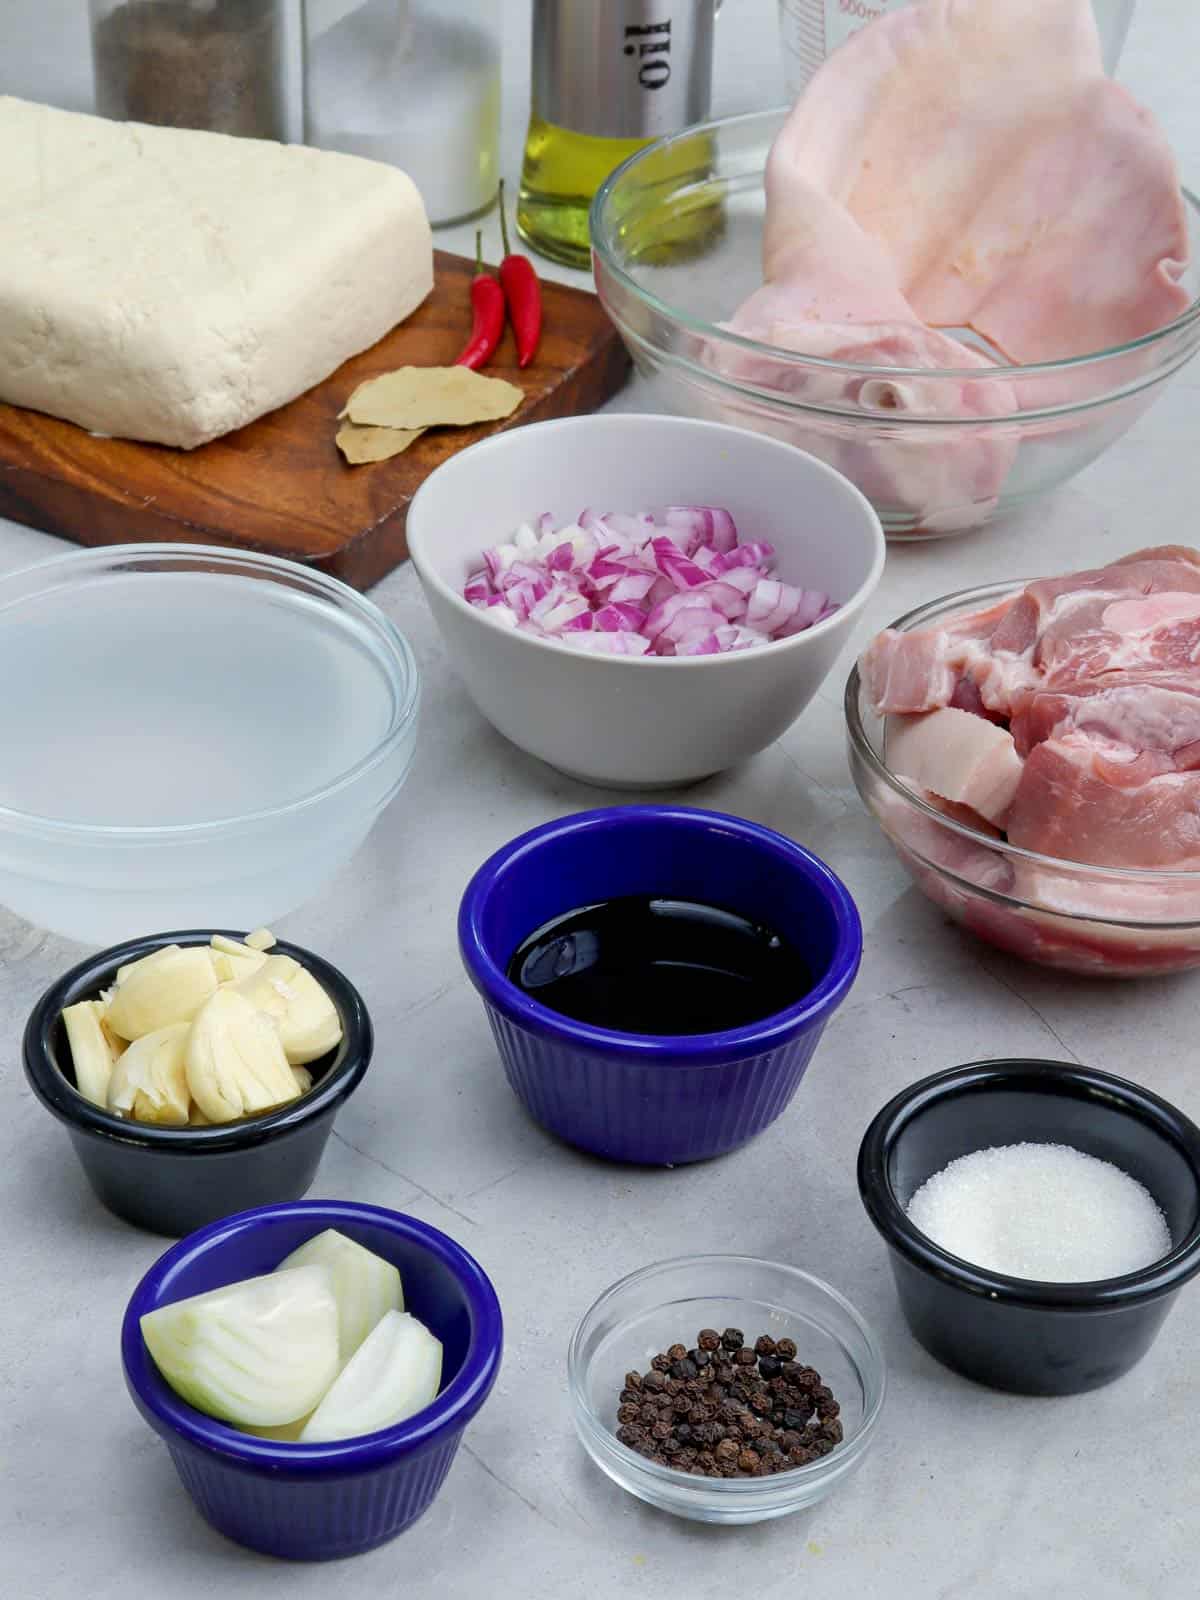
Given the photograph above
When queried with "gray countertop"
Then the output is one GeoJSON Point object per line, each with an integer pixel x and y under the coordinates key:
{"type": "Point", "coordinates": [966, 1494]}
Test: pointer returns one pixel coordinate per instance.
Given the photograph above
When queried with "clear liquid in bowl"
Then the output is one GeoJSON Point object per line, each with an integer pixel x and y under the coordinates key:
{"type": "Point", "coordinates": [152, 698]}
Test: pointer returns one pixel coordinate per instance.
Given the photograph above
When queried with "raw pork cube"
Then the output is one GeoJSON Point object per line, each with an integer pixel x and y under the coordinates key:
{"type": "Point", "coordinates": [961, 757]}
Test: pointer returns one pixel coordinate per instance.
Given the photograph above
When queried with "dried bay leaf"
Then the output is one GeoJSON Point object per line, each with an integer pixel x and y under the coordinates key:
{"type": "Point", "coordinates": [425, 397]}
{"type": "Point", "coordinates": [360, 445]}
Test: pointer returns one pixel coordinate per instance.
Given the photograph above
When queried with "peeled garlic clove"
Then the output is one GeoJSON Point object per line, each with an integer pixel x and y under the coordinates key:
{"type": "Point", "coordinates": [365, 1286]}
{"type": "Point", "coordinates": [235, 1063]}
{"type": "Point", "coordinates": [395, 1372]}
{"type": "Point", "coordinates": [303, 1079]}
{"type": "Point", "coordinates": [269, 988]}
{"type": "Point", "coordinates": [259, 1353]}
{"type": "Point", "coordinates": [311, 1026]}
{"type": "Point", "coordinates": [261, 939]}
{"type": "Point", "coordinates": [93, 1049]}
{"type": "Point", "coordinates": [169, 986]}
{"type": "Point", "coordinates": [231, 968]}
{"type": "Point", "coordinates": [150, 1080]}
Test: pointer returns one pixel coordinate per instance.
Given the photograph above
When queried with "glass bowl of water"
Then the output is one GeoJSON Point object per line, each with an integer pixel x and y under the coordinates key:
{"type": "Point", "coordinates": [677, 247]}
{"type": "Point", "coordinates": [192, 737]}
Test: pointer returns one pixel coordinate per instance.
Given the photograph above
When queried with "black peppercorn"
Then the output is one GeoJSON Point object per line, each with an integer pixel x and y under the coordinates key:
{"type": "Point", "coordinates": [785, 1349]}
{"type": "Point", "coordinates": [727, 1409]}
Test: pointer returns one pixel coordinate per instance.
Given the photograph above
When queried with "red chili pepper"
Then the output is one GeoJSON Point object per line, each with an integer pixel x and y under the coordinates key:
{"type": "Point", "coordinates": [487, 302]}
{"type": "Point", "coordinates": [523, 293]}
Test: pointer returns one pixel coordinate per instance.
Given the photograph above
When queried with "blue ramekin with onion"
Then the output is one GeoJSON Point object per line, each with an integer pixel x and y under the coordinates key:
{"type": "Point", "coordinates": [656, 1099]}
{"type": "Point", "coordinates": [319, 1502]}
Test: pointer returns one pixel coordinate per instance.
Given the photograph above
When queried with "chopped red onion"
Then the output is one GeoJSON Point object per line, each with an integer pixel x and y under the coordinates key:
{"type": "Point", "coordinates": [622, 584]}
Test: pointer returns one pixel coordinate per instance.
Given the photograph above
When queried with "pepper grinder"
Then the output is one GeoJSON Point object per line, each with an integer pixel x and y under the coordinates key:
{"type": "Point", "coordinates": [608, 77]}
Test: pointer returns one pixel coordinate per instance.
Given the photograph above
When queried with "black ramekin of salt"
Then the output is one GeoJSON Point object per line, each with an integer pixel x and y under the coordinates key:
{"type": "Point", "coordinates": [1025, 1334]}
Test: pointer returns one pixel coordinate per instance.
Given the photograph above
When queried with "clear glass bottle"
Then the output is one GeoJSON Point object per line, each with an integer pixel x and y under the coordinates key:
{"type": "Point", "coordinates": [811, 29]}
{"type": "Point", "coordinates": [608, 77]}
{"type": "Point", "coordinates": [216, 64]}
{"type": "Point", "coordinates": [414, 84]}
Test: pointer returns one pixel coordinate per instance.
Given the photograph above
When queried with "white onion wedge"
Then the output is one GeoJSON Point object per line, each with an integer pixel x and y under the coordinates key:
{"type": "Point", "coordinates": [259, 1353]}
{"type": "Point", "coordinates": [365, 1286]}
{"type": "Point", "coordinates": [395, 1373]}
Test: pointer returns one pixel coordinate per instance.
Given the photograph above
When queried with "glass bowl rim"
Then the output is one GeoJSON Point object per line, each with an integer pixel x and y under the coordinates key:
{"type": "Point", "coordinates": [780, 1487]}
{"type": "Point", "coordinates": [605, 255]}
{"type": "Point", "coordinates": [864, 749]}
{"type": "Point", "coordinates": [393, 650]}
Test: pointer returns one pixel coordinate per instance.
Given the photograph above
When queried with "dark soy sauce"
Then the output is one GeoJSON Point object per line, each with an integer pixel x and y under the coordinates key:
{"type": "Point", "coordinates": [641, 965]}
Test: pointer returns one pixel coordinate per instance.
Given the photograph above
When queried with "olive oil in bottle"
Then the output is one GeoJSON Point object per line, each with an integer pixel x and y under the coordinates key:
{"type": "Point", "coordinates": [609, 76]}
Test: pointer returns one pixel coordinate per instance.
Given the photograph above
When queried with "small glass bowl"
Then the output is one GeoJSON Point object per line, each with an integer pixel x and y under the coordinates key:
{"type": "Point", "coordinates": [671, 1301]}
{"type": "Point", "coordinates": [677, 247]}
{"type": "Point", "coordinates": [1107, 922]}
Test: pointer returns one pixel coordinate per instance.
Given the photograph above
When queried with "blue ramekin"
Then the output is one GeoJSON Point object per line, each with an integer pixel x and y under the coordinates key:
{"type": "Point", "coordinates": [317, 1502]}
{"type": "Point", "coordinates": [656, 1099]}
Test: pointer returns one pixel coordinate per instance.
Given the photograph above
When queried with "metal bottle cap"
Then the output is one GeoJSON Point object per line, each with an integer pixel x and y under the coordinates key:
{"type": "Point", "coordinates": [622, 69]}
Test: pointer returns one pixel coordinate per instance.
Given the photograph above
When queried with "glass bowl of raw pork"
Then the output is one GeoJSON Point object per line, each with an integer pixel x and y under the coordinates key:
{"type": "Point", "coordinates": [940, 428]}
{"type": "Point", "coordinates": [1033, 755]}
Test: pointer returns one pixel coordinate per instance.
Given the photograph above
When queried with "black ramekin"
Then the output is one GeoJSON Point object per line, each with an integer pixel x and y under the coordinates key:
{"type": "Point", "coordinates": [1013, 1333]}
{"type": "Point", "coordinates": [173, 1180]}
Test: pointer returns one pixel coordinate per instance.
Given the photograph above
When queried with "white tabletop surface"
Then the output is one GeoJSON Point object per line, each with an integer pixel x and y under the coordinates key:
{"type": "Point", "coordinates": [967, 1495]}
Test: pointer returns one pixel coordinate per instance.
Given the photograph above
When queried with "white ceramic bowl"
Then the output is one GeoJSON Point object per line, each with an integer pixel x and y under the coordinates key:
{"type": "Point", "coordinates": [641, 722]}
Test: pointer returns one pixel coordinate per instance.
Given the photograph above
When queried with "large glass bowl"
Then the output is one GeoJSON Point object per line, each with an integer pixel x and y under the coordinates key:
{"type": "Point", "coordinates": [677, 239]}
{"type": "Point", "coordinates": [192, 737]}
{"type": "Point", "coordinates": [1101, 921]}
{"type": "Point", "coordinates": [652, 1308]}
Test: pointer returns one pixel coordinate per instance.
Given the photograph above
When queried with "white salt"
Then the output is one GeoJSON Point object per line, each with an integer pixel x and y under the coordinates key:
{"type": "Point", "coordinates": [1042, 1211]}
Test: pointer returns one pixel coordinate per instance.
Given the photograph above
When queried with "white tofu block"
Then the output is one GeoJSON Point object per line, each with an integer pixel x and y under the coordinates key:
{"type": "Point", "coordinates": [168, 285]}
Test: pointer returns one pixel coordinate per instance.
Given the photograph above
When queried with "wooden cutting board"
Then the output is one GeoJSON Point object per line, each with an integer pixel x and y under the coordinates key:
{"type": "Point", "coordinates": [279, 486]}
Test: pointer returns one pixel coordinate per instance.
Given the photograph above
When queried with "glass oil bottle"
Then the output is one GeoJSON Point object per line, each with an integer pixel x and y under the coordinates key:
{"type": "Point", "coordinates": [609, 76]}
